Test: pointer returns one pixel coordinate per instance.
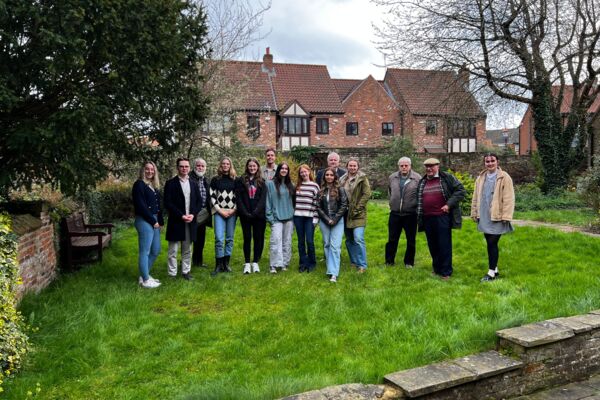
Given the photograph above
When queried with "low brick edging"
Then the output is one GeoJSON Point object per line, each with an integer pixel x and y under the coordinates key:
{"type": "Point", "coordinates": [529, 358]}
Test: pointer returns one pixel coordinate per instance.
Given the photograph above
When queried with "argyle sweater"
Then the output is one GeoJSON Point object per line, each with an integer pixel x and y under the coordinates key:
{"type": "Point", "coordinates": [222, 193]}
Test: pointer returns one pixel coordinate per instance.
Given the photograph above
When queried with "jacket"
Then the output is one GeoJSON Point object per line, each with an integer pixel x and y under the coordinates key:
{"type": "Point", "coordinates": [406, 203]}
{"type": "Point", "coordinates": [203, 181]}
{"type": "Point", "coordinates": [242, 200]}
{"type": "Point", "coordinates": [503, 199]}
{"type": "Point", "coordinates": [146, 203]}
{"type": "Point", "coordinates": [453, 192]}
{"type": "Point", "coordinates": [357, 203]}
{"type": "Point", "coordinates": [332, 210]}
{"type": "Point", "coordinates": [175, 205]}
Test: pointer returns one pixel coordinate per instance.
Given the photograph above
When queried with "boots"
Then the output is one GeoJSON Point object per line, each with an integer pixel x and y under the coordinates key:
{"type": "Point", "coordinates": [226, 267]}
{"type": "Point", "coordinates": [218, 267]}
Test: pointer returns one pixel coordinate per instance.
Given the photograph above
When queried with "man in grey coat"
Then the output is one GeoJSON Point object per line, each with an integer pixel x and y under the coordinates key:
{"type": "Point", "coordinates": [402, 191]}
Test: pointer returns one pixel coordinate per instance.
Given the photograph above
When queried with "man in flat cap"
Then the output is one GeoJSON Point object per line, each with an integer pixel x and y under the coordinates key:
{"type": "Point", "coordinates": [438, 212]}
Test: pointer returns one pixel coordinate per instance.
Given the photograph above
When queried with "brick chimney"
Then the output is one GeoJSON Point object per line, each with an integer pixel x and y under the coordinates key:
{"type": "Point", "coordinates": [267, 65]}
{"type": "Point", "coordinates": [464, 76]}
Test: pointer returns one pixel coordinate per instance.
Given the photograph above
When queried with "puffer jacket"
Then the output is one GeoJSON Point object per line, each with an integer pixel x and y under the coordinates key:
{"type": "Point", "coordinates": [357, 203]}
{"type": "Point", "coordinates": [334, 210]}
{"type": "Point", "coordinates": [503, 199]}
{"type": "Point", "coordinates": [405, 204]}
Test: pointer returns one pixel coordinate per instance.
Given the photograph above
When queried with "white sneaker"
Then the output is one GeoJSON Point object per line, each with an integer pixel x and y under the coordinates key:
{"type": "Point", "coordinates": [246, 268]}
{"type": "Point", "coordinates": [150, 284]}
{"type": "Point", "coordinates": [333, 279]}
{"type": "Point", "coordinates": [273, 270]}
{"type": "Point", "coordinates": [255, 268]}
{"type": "Point", "coordinates": [284, 268]}
{"type": "Point", "coordinates": [141, 280]}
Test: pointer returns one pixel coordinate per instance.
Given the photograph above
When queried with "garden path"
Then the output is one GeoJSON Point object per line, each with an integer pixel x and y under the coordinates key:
{"type": "Point", "coordinates": [585, 390]}
{"type": "Point", "coordinates": [562, 228]}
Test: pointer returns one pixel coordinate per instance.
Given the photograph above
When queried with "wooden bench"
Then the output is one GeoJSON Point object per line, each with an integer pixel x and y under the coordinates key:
{"type": "Point", "coordinates": [81, 237]}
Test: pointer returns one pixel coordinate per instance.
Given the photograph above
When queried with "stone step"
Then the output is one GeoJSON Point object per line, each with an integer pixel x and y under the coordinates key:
{"type": "Point", "coordinates": [435, 377]}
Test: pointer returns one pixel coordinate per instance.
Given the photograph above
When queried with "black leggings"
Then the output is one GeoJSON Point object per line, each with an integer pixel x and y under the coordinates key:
{"type": "Point", "coordinates": [253, 229]}
{"type": "Point", "coordinates": [492, 249]}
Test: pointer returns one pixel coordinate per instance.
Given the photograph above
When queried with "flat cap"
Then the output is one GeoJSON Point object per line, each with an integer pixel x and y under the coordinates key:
{"type": "Point", "coordinates": [431, 161]}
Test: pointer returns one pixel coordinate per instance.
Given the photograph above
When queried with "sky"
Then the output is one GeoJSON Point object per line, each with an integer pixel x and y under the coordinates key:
{"type": "Point", "coordinates": [336, 33]}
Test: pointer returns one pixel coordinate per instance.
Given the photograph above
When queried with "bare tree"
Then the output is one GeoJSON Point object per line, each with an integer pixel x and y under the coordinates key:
{"type": "Point", "coordinates": [543, 53]}
{"type": "Point", "coordinates": [233, 26]}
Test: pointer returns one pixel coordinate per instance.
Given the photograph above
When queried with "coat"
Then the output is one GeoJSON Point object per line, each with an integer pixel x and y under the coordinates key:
{"type": "Point", "coordinates": [146, 202]}
{"type": "Point", "coordinates": [406, 203]}
{"type": "Point", "coordinates": [175, 206]}
{"type": "Point", "coordinates": [357, 203]}
{"type": "Point", "coordinates": [242, 200]}
{"type": "Point", "coordinates": [453, 192]}
{"type": "Point", "coordinates": [204, 181]}
{"type": "Point", "coordinates": [503, 200]}
{"type": "Point", "coordinates": [333, 210]}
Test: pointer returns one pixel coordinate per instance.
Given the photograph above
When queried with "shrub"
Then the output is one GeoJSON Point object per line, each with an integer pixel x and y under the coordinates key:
{"type": "Point", "coordinates": [469, 183]}
{"type": "Point", "coordinates": [110, 201]}
{"type": "Point", "coordinates": [303, 154]}
{"type": "Point", "coordinates": [588, 186]}
{"type": "Point", "coordinates": [529, 197]}
{"type": "Point", "coordinates": [13, 340]}
{"type": "Point", "coordinates": [376, 194]}
{"type": "Point", "coordinates": [388, 157]}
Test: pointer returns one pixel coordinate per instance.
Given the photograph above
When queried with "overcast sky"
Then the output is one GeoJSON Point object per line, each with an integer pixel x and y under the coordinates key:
{"type": "Point", "coordinates": [336, 33]}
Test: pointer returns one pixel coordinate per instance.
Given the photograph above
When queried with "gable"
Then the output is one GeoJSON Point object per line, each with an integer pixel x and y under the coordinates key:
{"type": "Point", "coordinates": [294, 109]}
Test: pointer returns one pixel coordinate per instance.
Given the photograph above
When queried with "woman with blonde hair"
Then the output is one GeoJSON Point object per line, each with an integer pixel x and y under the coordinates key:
{"type": "Point", "coordinates": [306, 217]}
{"type": "Point", "coordinates": [222, 194]}
{"type": "Point", "coordinates": [148, 221]}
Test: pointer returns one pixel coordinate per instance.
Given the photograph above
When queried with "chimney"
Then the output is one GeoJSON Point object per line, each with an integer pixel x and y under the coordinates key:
{"type": "Point", "coordinates": [267, 65]}
{"type": "Point", "coordinates": [464, 76]}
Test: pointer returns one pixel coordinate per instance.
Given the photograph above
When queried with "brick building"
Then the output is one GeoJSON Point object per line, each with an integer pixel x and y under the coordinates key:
{"type": "Point", "coordinates": [527, 142]}
{"type": "Point", "coordinates": [284, 105]}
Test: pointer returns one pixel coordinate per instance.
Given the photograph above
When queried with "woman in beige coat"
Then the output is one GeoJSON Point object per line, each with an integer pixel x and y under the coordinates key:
{"type": "Point", "coordinates": [492, 208]}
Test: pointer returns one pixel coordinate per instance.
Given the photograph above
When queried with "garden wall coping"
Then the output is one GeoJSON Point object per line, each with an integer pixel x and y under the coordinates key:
{"type": "Point", "coordinates": [536, 334]}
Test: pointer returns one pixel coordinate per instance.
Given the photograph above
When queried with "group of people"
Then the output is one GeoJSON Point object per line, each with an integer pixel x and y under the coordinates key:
{"type": "Point", "coordinates": [336, 200]}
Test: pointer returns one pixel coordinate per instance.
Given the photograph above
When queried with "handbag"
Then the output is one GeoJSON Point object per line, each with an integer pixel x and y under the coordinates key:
{"type": "Point", "coordinates": [203, 216]}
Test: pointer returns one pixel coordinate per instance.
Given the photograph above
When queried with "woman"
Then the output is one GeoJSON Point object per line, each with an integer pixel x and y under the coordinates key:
{"type": "Point", "coordinates": [222, 194]}
{"type": "Point", "coordinates": [492, 208]}
{"type": "Point", "coordinates": [332, 205]}
{"type": "Point", "coordinates": [279, 213]}
{"type": "Point", "coordinates": [148, 221]}
{"type": "Point", "coordinates": [251, 197]}
{"type": "Point", "coordinates": [306, 217]}
{"type": "Point", "coordinates": [358, 190]}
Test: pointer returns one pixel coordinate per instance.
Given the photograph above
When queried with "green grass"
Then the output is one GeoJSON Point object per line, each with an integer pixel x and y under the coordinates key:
{"type": "Point", "coordinates": [577, 217]}
{"type": "Point", "coordinates": [262, 336]}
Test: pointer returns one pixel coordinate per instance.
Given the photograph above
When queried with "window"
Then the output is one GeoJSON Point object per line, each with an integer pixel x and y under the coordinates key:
{"type": "Point", "coordinates": [352, 128]}
{"type": "Point", "coordinates": [323, 125]}
{"type": "Point", "coordinates": [431, 127]}
{"type": "Point", "coordinates": [387, 128]}
{"type": "Point", "coordinates": [253, 126]}
{"type": "Point", "coordinates": [295, 126]}
{"type": "Point", "coordinates": [465, 128]}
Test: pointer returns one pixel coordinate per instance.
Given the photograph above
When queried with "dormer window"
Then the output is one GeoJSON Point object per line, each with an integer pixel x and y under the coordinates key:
{"type": "Point", "coordinates": [295, 120]}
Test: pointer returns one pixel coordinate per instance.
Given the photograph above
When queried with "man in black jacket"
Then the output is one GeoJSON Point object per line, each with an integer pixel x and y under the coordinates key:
{"type": "Point", "coordinates": [438, 212]}
{"type": "Point", "coordinates": [333, 161]}
{"type": "Point", "coordinates": [198, 175]}
{"type": "Point", "coordinates": [182, 201]}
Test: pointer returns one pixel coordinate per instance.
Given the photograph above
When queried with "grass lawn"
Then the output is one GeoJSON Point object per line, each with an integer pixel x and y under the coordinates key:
{"type": "Point", "coordinates": [576, 217]}
{"type": "Point", "coordinates": [262, 336]}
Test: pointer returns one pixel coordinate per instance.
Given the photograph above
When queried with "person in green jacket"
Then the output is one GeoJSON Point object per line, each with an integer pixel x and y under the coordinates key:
{"type": "Point", "coordinates": [357, 187]}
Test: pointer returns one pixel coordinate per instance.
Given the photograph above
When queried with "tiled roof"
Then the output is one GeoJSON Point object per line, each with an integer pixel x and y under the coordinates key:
{"type": "Point", "coordinates": [497, 135]}
{"type": "Point", "coordinates": [429, 92]}
{"type": "Point", "coordinates": [345, 86]}
{"type": "Point", "coordinates": [253, 85]}
{"type": "Point", "coordinates": [568, 99]}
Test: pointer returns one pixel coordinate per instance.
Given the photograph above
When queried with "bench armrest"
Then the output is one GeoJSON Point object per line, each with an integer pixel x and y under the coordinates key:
{"type": "Point", "coordinates": [107, 226]}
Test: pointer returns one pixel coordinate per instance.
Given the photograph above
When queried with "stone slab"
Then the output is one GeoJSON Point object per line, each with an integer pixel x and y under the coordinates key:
{"type": "Point", "coordinates": [488, 363]}
{"type": "Point", "coordinates": [572, 323]}
{"type": "Point", "coordinates": [594, 381]}
{"type": "Point", "coordinates": [352, 391]}
{"type": "Point", "coordinates": [591, 319]}
{"type": "Point", "coordinates": [430, 378]}
{"type": "Point", "coordinates": [536, 334]}
{"type": "Point", "coordinates": [573, 391]}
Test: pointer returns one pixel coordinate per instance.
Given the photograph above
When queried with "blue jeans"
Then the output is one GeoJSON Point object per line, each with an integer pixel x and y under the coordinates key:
{"type": "Point", "coordinates": [355, 243]}
{"type": "Point", "coordinates": [305, 230]}
{"type": "Point", "coordinates": [224, 231]}
{"type": "Point", "coordinates": [148, 246]}
{"type": "Point", "coordinates": [332, 243]}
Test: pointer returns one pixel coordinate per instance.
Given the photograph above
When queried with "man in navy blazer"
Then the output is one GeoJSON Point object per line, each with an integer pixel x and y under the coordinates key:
{"type": "Point", "coordinates": [182, 202]}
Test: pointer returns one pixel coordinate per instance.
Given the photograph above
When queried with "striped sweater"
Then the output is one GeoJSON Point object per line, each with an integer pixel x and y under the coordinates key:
{"type": "Point", "coordinates": [306, 201]}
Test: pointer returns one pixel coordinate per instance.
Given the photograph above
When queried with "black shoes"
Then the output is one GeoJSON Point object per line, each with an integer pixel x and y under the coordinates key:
{"type": "Point", "coordinates": [487, 278]}
{"type": "Point", "coordinates": [187, 277]}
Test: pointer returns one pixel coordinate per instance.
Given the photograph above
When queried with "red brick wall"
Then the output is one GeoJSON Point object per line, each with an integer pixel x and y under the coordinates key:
{"type": "Point", "coordinates": [267, 136]}
{"type": "Point", "coordinates": [527, 142]}
{"type": "Point", "coordinates": [37, 257]}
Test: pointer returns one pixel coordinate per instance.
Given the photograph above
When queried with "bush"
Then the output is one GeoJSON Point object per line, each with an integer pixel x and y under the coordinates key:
{"type": "Point", "coordinates": [110, 201]}
{"type": "Point", "coordinates": [376, 194]}
{"type": "Point", "coordinates": [469, 183]}
{"type": "Point", "coordinates": [304, 154]}
{"type": "Point", "coordinates": [529, 197]}
{"type": "Point", "coordinates": [588, 186]}
{"type": "Point", "coordinates": [388, 157]}
{"type": "Point", "coordinates": [13, 340]}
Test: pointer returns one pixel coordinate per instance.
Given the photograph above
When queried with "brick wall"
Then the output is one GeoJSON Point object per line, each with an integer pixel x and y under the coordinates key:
{"type": "Point", "coordinates": [36, 254]}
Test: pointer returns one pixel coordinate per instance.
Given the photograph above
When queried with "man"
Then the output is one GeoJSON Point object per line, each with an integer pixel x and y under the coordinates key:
{"type": "Point", "coordinates": [268, 171]}
{"type": "Point", "coordinates": [182, 201]}
{"type": "Point", "coordinates": [402, 191]}
{"type": "Point", "coordinates": [438, 212]}
{"type": "Point", "coordinates": [333, 161]}
{"type": "Point", "coordinates": [203, 219]}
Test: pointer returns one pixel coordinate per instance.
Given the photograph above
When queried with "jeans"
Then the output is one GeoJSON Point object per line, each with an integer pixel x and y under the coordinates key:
{"type": "Point", "coordinates": [305, 231]}
{"type": "Point", "coordinates": [355, 243]}
{"type": "Point", "coordinates": [224, 231]}
{"type": "Point", "coordinates": [396, 224]}
{"type": "Point", "coordinates": [332, 243]}
{"type": "Point", "coordinates": [148, 246]}
{"type": "Point", "coordinates": [492, 249]}
{"type": "Point", "coordinates": [253, 230]}
{"type": "Point", "coordinates": [199, 245]}
{"type": "Point", "coordinates": [439, 240]}
{"type": "Point", "coordinates": [280, 244]}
